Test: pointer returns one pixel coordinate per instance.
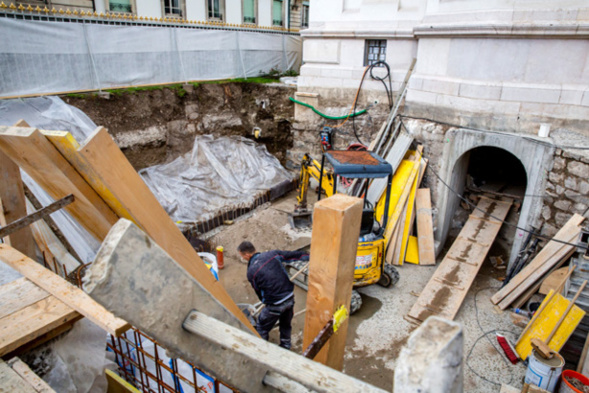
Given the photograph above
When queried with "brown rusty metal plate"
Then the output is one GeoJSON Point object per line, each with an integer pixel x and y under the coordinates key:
{"type": "Point", "coordinates": [354, 157]}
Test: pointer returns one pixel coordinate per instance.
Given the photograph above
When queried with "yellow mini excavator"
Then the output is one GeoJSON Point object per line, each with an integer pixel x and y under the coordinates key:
{"type": "Point", "coordinates": [370, 257]}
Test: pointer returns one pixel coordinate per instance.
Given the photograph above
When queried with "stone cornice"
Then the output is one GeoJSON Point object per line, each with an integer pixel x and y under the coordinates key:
{"type": "Point", "coordinates": [490, 29]}
{"type": "Point", "coordinates": [479, 29]}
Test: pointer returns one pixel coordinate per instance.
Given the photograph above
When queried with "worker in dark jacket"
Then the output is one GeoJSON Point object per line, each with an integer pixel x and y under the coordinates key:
{"type": "Point", "coordinates": [269, 279]}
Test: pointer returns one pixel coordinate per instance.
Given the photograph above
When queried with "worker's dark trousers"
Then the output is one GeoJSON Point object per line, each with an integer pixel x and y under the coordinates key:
{"type": "Point", "coordinates": [283, 314]}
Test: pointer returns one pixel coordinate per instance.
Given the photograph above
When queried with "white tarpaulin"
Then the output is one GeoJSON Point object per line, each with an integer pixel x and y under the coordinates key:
{"type": "Point", "coordinates": [47, 57]}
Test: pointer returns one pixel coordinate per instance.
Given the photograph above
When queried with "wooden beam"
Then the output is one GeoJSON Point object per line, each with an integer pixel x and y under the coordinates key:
{"type": "Point", "coordinates": [31, 322]}
{"type": "Point", "coordinates": [107, 170]}
{"type": "Point", "coordinates": [10, 381]}
{"type": "Point", "coordinates": [28, 148]}
{"type": "Point", "coordinates": [18, 294]}
{"type": "Point", "coordinates": [73, 296]}
{"type": "Point", "coordinates": [542, 263]}
{"type": "Point", "coordinates": [334, 242]}
{"type": "Point", "coordinates": [425, 230]}
{"type": "Point", "coordinates": [21, 368]}
{"type": "Point", "coordinates": [13, 201]}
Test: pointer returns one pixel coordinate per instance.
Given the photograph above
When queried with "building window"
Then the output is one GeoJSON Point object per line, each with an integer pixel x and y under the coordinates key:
{"type": "Point", "coordinates": [305, 14]}
{"type": "Point", "coordinates": [120, 6]}
{"type": "Point", "coordinates": [249, 11]}
{"type": "Point", "coordinates": [277, 12]}
{"type": "Point", "coordinates": [375, 51]}
{"type": "Point", "coordinates": [215, 9]}
{"type": "Point", "coordinates": [173, 8]}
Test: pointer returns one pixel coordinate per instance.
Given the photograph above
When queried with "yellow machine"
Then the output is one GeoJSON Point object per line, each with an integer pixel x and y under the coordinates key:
{"type": "Point", "coordinates": [370, 265]}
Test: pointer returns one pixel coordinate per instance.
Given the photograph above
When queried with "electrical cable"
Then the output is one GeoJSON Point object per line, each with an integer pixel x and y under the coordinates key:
{"type": "Point", "coordinates": [486, 335]}
{"type": "Point", "coordinates": [388, 91]}
{"type": "Point", "coordinates": [327, 116]}
{"type": "Point", "coordinates": [491, 131]}
{"type": "Point", "coordinates": [468, 202]}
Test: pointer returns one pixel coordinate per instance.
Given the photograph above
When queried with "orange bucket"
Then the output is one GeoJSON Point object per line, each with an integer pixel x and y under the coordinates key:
{"type": "Point", "coordinates": [566, 387]}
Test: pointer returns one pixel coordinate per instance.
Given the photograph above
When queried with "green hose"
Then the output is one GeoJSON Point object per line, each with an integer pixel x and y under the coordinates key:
{"type": "Point", "coordinates": [324, 115]}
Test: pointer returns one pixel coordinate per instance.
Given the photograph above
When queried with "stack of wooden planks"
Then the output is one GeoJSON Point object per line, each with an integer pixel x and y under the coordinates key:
{"type": "Point", "coordinates": [554, 254]}
{"type": "Point", "coordinates": [42, 305]}
{"type": "Point", "coordinates": [446, 290]}
{"type": "Point", "coordinates": [408, 201]}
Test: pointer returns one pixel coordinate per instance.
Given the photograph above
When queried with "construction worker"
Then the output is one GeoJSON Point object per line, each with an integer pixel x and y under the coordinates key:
{"type": "Point", "coordinates": [273, 287]}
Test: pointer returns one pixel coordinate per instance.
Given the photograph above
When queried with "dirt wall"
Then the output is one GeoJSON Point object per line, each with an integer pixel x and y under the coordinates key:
{"type": "Point", "coordinates": [156, 125]}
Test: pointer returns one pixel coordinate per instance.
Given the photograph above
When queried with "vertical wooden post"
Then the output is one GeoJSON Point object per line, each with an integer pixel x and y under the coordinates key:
{"type": "Point", "coordinates": [425, 230]}
{"type": "Point", "coordinates": [12, 195]}
{"type": "Point", "coordinates": [336, 227]}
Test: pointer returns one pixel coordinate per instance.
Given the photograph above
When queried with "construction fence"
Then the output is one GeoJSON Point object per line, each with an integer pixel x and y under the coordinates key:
{"type": "Point", "coordinates": [45, 56]}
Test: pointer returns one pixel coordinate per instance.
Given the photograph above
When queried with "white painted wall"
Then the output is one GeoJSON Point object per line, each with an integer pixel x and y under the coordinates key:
{"type": "Point", "coordinates": [265, 12]}
{"type": "Point", "coordinates": [149, 8]}
{"type": "Point", "coordinates": [234, 11]}
{"type": "Point", "coordinates": [195, 10]}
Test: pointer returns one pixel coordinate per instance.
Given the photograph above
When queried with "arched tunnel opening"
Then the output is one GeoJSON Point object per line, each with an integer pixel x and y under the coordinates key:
{"type": "Point", "coordinates": [495, 173]}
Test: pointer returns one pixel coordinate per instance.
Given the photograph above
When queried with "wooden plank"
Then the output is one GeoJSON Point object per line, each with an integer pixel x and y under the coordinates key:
{"type": "Point", "coordinates": [10, 381]}
{"type": "Point", "coordinates": [19, 294]}
{"type": "Point", "coordinates": [397, 209]}
{"type": "Point", "coordinates": [542, 326]}
{"type": "Point", "coordinates": [107, 168]}
{"type": "Point", "coordinates": [444, 293]}
{"type": "Point", "coordinates": [396, 245]}
{"type": "Point", "coordinates": [520, 301]}
{"type": "Point", "coordinates": [13, 201]}
{"type": "Point", "coordinates": [393, 244]}
{"type": "Point", "coordinates": [43, 338]}
{"type": "Point", "coordinates": [553, 280]}
{"type": "Point", "coordinates": [28, 148]}
{"type": "Point", "coordinates": [336, 227]}
{"type": "Point", "coordinates": [73, 296]}
{"type": "Point", "coordinates": [534, 276]}
{"type": "Point", "coordinates": [33, 321]}
{"type": "Point", "coordinates": [23, 370]}
{"type": "Point", "coordinates": [550, 254]}
{"type": "Point", "coordinates": [425, 229]}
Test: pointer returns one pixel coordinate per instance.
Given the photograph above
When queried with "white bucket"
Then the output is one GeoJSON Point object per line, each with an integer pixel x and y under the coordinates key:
{"type": "Point", "coordinates": [544, 373]}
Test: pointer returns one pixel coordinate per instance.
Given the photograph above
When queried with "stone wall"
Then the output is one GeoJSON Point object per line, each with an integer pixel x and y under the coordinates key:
{"type": "Point", "coordinates": [567, 190]}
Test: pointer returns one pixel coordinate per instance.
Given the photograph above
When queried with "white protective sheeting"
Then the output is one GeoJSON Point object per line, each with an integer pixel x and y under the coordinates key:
{"type": "Point", "coordinates": [51, 113]}
{"type": "Point", "coordinates": [221, 173]}
{"type": "Point", "coordinates": [39, 57]}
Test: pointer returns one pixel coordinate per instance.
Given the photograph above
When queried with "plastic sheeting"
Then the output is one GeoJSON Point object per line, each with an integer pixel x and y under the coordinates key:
{"type": "Point", "coordinates": [218, 174]}
{"type": "Point", "coordinates": [51, 113]}
{"type": "Point", "coordinates": [45, 57]}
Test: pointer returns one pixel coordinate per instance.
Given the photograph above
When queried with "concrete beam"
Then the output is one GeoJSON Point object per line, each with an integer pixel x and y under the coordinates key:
{"type": "Point", "coordinates": [432, 360]}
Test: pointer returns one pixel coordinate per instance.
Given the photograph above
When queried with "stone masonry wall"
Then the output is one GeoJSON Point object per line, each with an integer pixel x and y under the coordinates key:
{"type": "Point", "coordinates": [567, 190]}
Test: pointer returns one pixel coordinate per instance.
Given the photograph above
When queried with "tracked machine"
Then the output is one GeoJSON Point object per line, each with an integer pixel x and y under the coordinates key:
{"type": "Point", "coordinates": [360, 167]}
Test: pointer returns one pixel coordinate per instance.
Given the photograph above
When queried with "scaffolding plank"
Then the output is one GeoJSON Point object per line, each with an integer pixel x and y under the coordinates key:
{"type": "Point", "coordinates": [18, 294]}
{"type": "Point", "coordinates": [425, 229]}
{"type": "Point", "coordinates": [336, 227]}
{"type": "Point", "coordinates": [33, 321]}
{"type": "Point", "coordinates": [544, 261]}
{"type": "Point", "coordinates": [73, 296]}
{"type": "Point", "coordinates": [28, 148]}
{"type": "Point", "coordinates": [444, 293]}
{"type": "Point", "coordinates": [107, 168]}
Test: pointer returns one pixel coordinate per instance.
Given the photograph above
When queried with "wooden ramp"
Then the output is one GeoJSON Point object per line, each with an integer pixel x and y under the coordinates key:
{"type": "Point", "coordinates": [444, 293]}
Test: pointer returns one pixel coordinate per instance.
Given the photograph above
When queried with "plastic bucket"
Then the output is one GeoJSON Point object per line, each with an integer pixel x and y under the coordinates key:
{"type": "Point", "coordinates": [566, 387]}
{"type": "Point", "coordinates": [544, 373]}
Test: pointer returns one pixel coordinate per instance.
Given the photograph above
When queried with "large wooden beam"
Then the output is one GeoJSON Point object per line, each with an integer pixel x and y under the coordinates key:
{"type": "Point", "coordinates": [334, 241]}
{"type": "Point", "coordinates": [70, 295]}
{"type": "Point", "coordinates": [28, 148]}
{"type": "Point", "coordinates": [12, 196]}
{"type": "Point", "coordinates": [102, 164]}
